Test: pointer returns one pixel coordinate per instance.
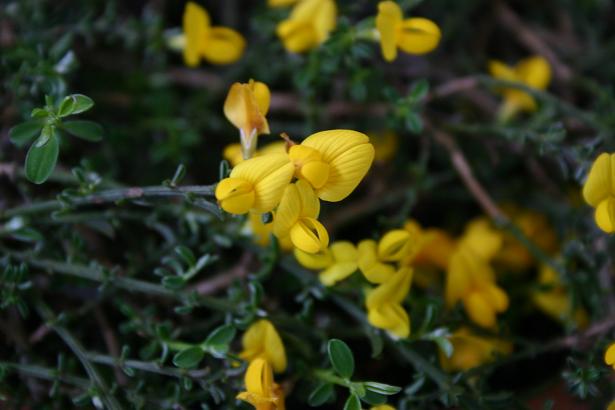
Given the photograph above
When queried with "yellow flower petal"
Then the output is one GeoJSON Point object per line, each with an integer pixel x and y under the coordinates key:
{"type": "Point", "coordinates": [534, 71]}
{"type": "Point", "coordinates": [372, 268]}
{"type": "Point", "coordinates": [232, 153]}
{"type": "Point", "coordinates": [344, 251]}
{"type": "Point", "coordinates": [391, 317]}
{"type": "Point", "coordinates": [297, 36]}
{"type": "Point", "coordinates": [394, 245]}
{"type": "Point", "coordinates": [223, 46]}
{"type": "Point", "coordinates": [501, 71]}
{"type": "Point", "coordinates": [418, 35]}
{"type": "Point", "coordinates": [195, 26]}
{"type": "Point", "coordinates": [605, 215]}
{"type": "Point", "coordinates": [600, 182]}
{"type": "Point", "coordinates": [315, 261]}
{"type": "Point", "coordinates": [262, 95]}
{"type": "Point", "coordinates": [609, 355]}
{"type": "Point", "coordinates": [483, 240]}
{"type": "Point", "coordinates": [309, 235]}
{"type": "Point", "coordinates": [382, 407]}
{"type": "Point", "coordinates": [235, 195]}
{"type": "Point", "coordinates": [288, 212]}
{"type": "Point", "coordinates": [280, 3]}
{"type": "Point", "coordinates": [337, 272]}
{"type": "Point", "coordinates": [387, 21]}
{"type": "Point", "coordinates": [258, 378]}
{"type": "Point", "coordinates": [310, 205]}
{"type": "Point", "coordinates": [262, 340]}
{"type": "Point", "coordinates": [479, 309]}
{"type": "Point", "coordinates": [394, 290]}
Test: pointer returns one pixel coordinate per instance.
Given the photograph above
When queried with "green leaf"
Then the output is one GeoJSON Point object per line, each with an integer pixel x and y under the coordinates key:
{"type": "Point", "coordinates": [189, 357]}
{"type": "Point", "coordinates": [320, 395]}
{"type": "Point", "coordinates": [82, 103]}
{"type": "Point", "coordinates": [445, 345]}
{"type": "Point", "coordinates": [67, 106]}
{"type": "Point", "coordinates": [353, 403]}
{"type": "Point", "coordinates": [374, 399]}
{"type": "Point", "coordinates": [341, 358]}
{"type": "Point", "coordinates": [23, 133]}
{"type": "Point", "coordinates": [218, 341]}
{"type": "Point", "coordinates": [419, 90]}
{"type": "Point", "coordinates": [382, 388]}
{"type": "Point", "coordinates": [86, 130]}
{"type": "Point", "coordinates": [186, 254]}
{"type": "Point", "coordinates": [39, 113]}
{"type": "Point", "coordinates": [414, 123]}
{"type": "Point", "coordinates": [41, 161]}
{"type": "Point", "coordinates": [173, 282]}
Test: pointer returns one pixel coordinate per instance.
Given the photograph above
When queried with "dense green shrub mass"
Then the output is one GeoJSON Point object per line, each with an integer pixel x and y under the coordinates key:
{"type": "Point", "coordinates": [290, 203]}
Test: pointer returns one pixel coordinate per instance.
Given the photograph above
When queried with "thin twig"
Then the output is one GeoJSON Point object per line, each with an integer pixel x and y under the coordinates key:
{"type": "Point", "coordinates": [222, 280]}
{"type": "Point", "coordinates": [111, 342]}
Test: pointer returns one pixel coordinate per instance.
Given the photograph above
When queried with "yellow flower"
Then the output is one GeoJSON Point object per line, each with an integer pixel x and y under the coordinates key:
{"type": "Point", "coordinates": [599, 191]}
{"type": "Point", "coordinates": [337, 262]}
{"type": "Point", "coordinates": [280, 3]}
{"type": "Point", "coordinates": [413, 36]}
{"type": "Point", "coordinates": [296, 216]}
{"type": "Point", "coordinates": [555, 300]}
{"type": "Point", "coordinates": [534, 72]}
{"type": "Point", "coordinates": [232, 152]}
{"type": "Point", "coordinates": [333, 162]}
{"type": "Point", "coordinates": [261, 391]}
{"type": "Point", "coordinates": [261, 340]}
{"type": "Point", "coordinates": [218, 45]}
{"type": "Point", "coordinates": [382, 407]}
{"type": "Point", "coordinates": [261, 232]}
{"type": "Point", "coordinates": [246, 106]}
{"type": "Point", "coordinates": [609, 355]}
{"type": "Point", "coordinates": [436, 249]}
{"type": "Point", "coordinates": [256, 184]}
{"type": "Point", "coordinates": [471, 279]}
{"type": "Point", "coordinates": [394, 246]}
{"type": "Point", "coordinates": [470, 350]}
{"type": "Point", "coordinates": [384, 304]}
{"type": "Point", "coordinates": [308, 25]}
{"type": "Point", "coordinates": [611, 406]}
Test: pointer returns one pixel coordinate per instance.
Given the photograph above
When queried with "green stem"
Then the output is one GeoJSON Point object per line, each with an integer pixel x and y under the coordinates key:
{"type": "Point", "coordinates": [105, 395]}
{"type": "Point", "coordinates": [47, 374]}
{"type": "Point", "coordinates": [147, 366]}
{"type": "Point", "coordinates": [113, 195]}
{"type": "Point", "coordinates": [329, 377]}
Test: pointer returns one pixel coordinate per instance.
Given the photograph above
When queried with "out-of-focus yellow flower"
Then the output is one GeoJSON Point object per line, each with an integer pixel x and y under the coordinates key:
{"type": "Point", "coordinates": [555, 300]}
{"type": "Point", "coordinates": [599, 191]}
{"type": "Point", "coordinates": [414, 35]}
{"type": "Point", "coordinates": [261, 340]}
{"type": "Point", "coordinates": [335, 263]}
{"type": "Point", "coordinates": [333, 162]}
{"type": "Point", "coordinates": [611, 406]}
{"type": "Point", "coordinates": [261, 391]}
{"type": "Point", "coordinates": [609, 355]}
{"type": "Point", "coordinates": [217, 45]}
{"type": "Point", "coordinates": [436, 249]}
{"type": "Point", "coordinates": [245, 107]}
{"type": "Point", "coordinates": [384, 304]}
{"type": "Point", "coordinates": [232, 152]}
{"type": "Point", "coordinates": [471, 350]}
{"type": "Point", "coordinates": [256, 184]}
{"type": "Point", "coordinates": [382, 407]}
{"type": "Point", "coordinates": [513, 254]}
{"type": "Point", "coordinates": [385, 145]}
{"type": "Point", "coordinates": [471, 279]}
{"type": "Point", "coordinates": [534, 72]}
{"type": "Point", "coordinates": [280, 3]}
{"type": "Point", "coordinates": [296, 217]}
{"type": "Point", "coordinates": [308, 25]}
{"type": "Point", "coordinates": [261, 232]}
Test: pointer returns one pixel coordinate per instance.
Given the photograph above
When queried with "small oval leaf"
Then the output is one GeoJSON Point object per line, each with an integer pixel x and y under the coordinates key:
{"type": "Point", "coordinates": [86, 130]}
{"type": "Point", "coordinates": [353, 403]}
{"type": "Point", "coordinates": [189, 357]}
{"type": "Point", "coordinates": [41, 161]}
{"type": "Point", "coordinates": [82, 103]}
{"type": "Point", "coordinates": [23, 133]}
{"type": "Point", "coordinates": [321, 395]}
{"type": "Point", "coordinates": [341, 358]}
{"type": "Point", "coordinates": [67, 106]}
{"type": "Point", "coordinates": [218, 341]}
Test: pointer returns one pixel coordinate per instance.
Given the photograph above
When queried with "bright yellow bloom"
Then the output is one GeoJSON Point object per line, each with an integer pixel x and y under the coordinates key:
{"type": "Point", "coordinates": [374, 257]}
{"type": "Point", "coordinates": [296, 216]}
{"type": "Point", "coordinates": [534, 72]}
{"type": "Point", "coordinates": [471, 279]}
{"type": "Point", "coordinates": [333, 162]}
{"type": "Point", "coordinates": [261, 391]}
{"type": "Point", "coordinates": [436, 250]}
{"type": "Point", "coordinates": [413, 36]}
{"type": "Point", "coordinates": [609, 355]}
{"type": "Point", "coordinates": [256, 184]}
{"type": "Point", "coordinates": [382, 407]}
{"type": "Point", "coordinates": [261, 340]}
{"type": "Point", "coordinates": [599, 191]}
{"type": "Point", "coordinates": [336, 263]}
{"type": "Point", "coordinates": [217, 45]}
{"type": "Point", "coordinates": [555, 300]}
{"type": "Point", "coordinates": [384, 304]}
{"type": "Point", "coordinates": [246, 106]}
{"type": "Point", "coordinates": [470, 350]}
{"type": "Point", "coordinates": [232, 152]}
{"type": "Point", "coordinates": [261, 232]}
{"type": "Point", "coordinates": [308, 25]}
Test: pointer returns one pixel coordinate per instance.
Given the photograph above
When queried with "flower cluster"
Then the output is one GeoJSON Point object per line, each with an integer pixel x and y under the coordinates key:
{"type": "Point", "coordinates": [289, 182]}
{"type": "Point", "coordinates": [599, 191]}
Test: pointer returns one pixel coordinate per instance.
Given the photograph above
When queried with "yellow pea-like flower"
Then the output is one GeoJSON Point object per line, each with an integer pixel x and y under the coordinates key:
{"type": "Point", "coordinates": [280, 3]}
{"type": "Point", "coordinates": [413, 36]}
{"type": "Point", "coordinates": [599, 191]}
{"type": "Point", "coordinates": [335, 263]}
{"type": "Point", "coordinates": [232, 152]}
{"type": "Point", "coordinates": [308, 26]}
{"type": "Point", "coordinates": [611, 405]}
{"type": "Point", "coordinates": [394, 245]}
{"type": "Point", "coordinates": [261, 391]}
{"type": "Point", "coordinates": [435, 248]}
{"type": "Point", "coordinates": [535, 72]}
{"type": "Point", "coordinates": [245, 107]}
{"type": "Point", "coordinates": [217, 45]}
{"type": "Point", "coordinates": [471, 350]}
{"type": "Point", "coordinates": [261, 232]}
{"type": "Point", "coordinates": [609, 355]}
{"type": "Point", "coordinates": [384, 304]}
{"type": "Point", "coordinates": [370, 264]}
{"type": "Point", "coordinates": [262, 340]}
{"type": "Point", "coordinates": [382, 407]}
{"type": "Point", "coordinates": [296, 217]}
{"type": "Point", "coordinates": [374, 258]}
{"type": "Point", "coordinates": [256, 184]}
{"type": "Point", "coordinates": [333, 162]}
